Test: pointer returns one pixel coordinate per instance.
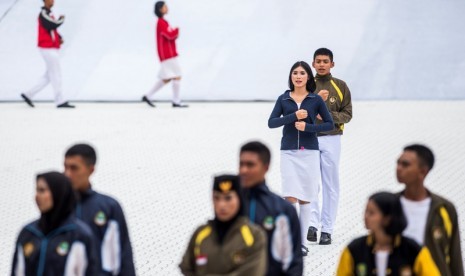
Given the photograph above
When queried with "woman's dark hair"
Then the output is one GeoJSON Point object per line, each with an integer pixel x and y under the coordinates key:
{"type": "Point", "coordinates": [390, 206]}
{"type": "Point", "coordinates": [158, 7]}
{"type": "Point", "coordinates": [64, 201]}
{"type": "Point", "coordinates": [311, 86]}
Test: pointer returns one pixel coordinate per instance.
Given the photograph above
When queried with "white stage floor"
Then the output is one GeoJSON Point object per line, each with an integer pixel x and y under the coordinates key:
{"type": "Point", "coordinates": [159, 164]}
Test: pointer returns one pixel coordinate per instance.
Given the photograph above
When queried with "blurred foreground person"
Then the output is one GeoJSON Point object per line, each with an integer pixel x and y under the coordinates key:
{"type": "Point", "coordinates": [229, 244]}
{"type": "Point", "coordinates": [384, 251]}
{"type": "Point", "coordinates": [57, 243]}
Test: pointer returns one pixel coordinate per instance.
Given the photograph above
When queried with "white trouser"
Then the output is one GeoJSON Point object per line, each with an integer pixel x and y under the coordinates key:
{"type": "Point", "coordinates": [52, 75]}
{"type": "Point", "coordinates": [330, 153]}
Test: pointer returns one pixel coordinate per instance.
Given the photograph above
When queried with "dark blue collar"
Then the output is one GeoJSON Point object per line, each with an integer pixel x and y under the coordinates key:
{"type": "Point", "coordinates": [287, 95]}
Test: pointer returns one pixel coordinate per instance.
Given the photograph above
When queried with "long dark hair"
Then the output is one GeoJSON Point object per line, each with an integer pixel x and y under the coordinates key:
{"type": "Point", "coordinates": [310, 86]}
{"type": "Point", "coordinates": [390, 206]}
{"type": "Point", "coordinates": [158, 7]}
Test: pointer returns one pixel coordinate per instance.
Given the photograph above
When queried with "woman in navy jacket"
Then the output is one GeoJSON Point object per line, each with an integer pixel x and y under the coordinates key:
{"type": "Point", "coordinates": [57, 243]}
{"type": "Point", "coordinates": [297, 110]}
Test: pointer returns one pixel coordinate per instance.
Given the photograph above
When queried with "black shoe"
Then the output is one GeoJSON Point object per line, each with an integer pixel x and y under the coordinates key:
{"type": "Point", "coordinates": [311, 235]}
{"type": "Point", "coordinates": [180, 105]}
{"type": "Point", "coordinates": [325, 238]}
{"type": "Point", "coordinates": [27, 100]}
{"type": "Point", "coordinates": [304, 251]}
{"type": "Point", "coordinates": [145, 99]}
{"type": "Point", "coordinates": [65, 105]}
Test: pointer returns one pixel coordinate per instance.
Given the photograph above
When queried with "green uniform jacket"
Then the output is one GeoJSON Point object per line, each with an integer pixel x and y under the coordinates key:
{"type": "Point", "coordinates": [339, 102]}
{"type": "Point", "coordinates": [442, 236]}
{"type": "Point", "coordinates": [243, 251]}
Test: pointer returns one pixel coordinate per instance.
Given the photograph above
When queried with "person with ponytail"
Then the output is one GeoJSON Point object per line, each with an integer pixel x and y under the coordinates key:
{"type": "Point", "coordinates": [384, 251]}
{"type": "Point", "coordinates": [57, 243]}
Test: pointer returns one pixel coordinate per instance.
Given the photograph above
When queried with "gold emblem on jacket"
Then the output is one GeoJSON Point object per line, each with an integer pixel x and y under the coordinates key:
{"type": "Point", "coordinates": [405, 271]}
{"type": "Point", "coordinates": [332, 100]}
{"type": "Point", "coordinates": [28, 248]}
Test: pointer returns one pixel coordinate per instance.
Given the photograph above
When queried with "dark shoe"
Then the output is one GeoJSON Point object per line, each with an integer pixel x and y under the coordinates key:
{"type": "Point", "coordinates": [304, 251]}
{"type": "Point", "coordinates": [311, 235]}
{"type": "Point", "coordinates": [145, 99]}
{"type": "Point", "coordinates": [65, 105]}
{"type": "Point", "coordinates": [27, 100]}
{"type": "Point", "coordinates": [325, 238]}
{"type": "Point", "coordinates": [180, 105]}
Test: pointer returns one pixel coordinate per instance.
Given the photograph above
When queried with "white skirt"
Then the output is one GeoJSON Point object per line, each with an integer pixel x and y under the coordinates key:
{"type": "Point", "coordinates": [169, 69]}
{"type": "Point", "coordinates": [300, 174]}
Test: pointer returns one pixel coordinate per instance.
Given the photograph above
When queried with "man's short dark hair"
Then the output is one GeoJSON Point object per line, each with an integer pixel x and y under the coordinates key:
{"type": "Point", "coordinates": [157, 8]}
{"type": "Point", "coordinates": [260, 149]}
{"type": "Point", "coordinates": [85, 151]}
{"type": "Point", "coordinates": [324, 52]}
{"type": "Point", "coordinates": [424, 154]}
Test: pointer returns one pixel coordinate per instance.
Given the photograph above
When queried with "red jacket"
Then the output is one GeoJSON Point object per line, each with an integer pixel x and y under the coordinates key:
{"type": "Point", "coordinates": [48, 34]}
{"type": "Point", "coordinates": [166, 40]}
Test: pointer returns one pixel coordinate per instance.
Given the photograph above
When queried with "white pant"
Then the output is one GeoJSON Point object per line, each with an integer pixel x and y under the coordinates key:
{"type": "Point", "coordinates": [52, 75]}
{"type": "Point", "coordinates": [330, 153]}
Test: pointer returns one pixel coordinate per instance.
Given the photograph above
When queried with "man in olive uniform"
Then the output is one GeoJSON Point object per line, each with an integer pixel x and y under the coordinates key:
{"type": "Point", "coordinates": [432, 220]}
{"type": "Point", "coordinates": [337, 97]}
{"type": "Point", "coordinates": [229, 244]}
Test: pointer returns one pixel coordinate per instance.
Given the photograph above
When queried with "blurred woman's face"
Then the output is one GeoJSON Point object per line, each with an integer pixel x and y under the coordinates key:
{"type": "Point", "coordinates": [299, 77]}
{"type": "Point", "coordinates": [374, 219]}
{"type": "Point", "coordinates": [164, 9]}
{"type": "Point", "coordinates": [226, 205]}
{"type": "Point", "coordinates": [44, 199]}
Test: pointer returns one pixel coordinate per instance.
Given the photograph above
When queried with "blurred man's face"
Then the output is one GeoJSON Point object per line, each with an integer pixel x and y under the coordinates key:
{"type": "Point", "coordinates": [251, 169]}
{"type": "Point", "coordinates": [322, 65]}
{"type": "Point", "coordinates": [78, 171]}
{"type": "Point", "coordinates": [226, 205]}
{"type": "Point", "coordinates": [409, 169]}
{"type": "Point", "coordinates": [49, 3]}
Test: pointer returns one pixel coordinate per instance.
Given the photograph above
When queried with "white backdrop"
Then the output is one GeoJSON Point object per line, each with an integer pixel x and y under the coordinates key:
{"type": "Point", "coordinates": [241, 49]}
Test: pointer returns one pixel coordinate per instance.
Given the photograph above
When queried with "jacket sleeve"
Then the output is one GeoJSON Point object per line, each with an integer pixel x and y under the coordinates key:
{"type": "Point", "coordinates": [276, 120]}
{"type": "Point", "coordinates": [424, 264]}
{"type": "Point", "coordinates": [286, 242]}
{"type": "Point", "coordinates": [327, 124]}
{"type": "Point", "coordinates": [187, 264]}
{"type": "Point", "coordinates": [19, 263]}
{"type": "Point", "coordinates": [48, 22]}
{"type": "Point", "coordinates": [256, 262]}
{"type": "Point", "coordinates": [456, 261]}
{"type": "Point", "coordinates": [346, 264]}
{"type": "Point", "coordinates": [167, 32]}
{"type": "Point", "coordinates": [344, 115]}
{"type": "Point", "coordinates": [127, 262]}
{"type": "Point", "coordinates": [93, 258]}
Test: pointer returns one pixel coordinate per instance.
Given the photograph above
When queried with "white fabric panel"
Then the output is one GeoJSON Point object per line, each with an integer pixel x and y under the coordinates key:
{"type": "Point", "coordinates": [20, 269]}
{"type": "Point", "coordinates": [281, 242]}
{"type": "Point", "coordinates": [111, 248]}
{"type": "Point", "coordinates": [76, 262]}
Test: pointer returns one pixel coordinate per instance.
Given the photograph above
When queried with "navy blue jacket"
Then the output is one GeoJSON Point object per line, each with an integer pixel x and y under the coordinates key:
{"type": "Point", "coordinates": [70, 247]}
{"type": "Point", "coordinates": [105, 218]}
{"type": "Point", "coordinates": [279, 220]}
{"type": "Point", "coordinates": [283, 114]}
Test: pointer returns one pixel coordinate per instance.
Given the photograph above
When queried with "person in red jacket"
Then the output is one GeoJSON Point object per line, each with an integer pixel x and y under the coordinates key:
{"type": "Point", "coordinates": [49, 43]}
{"type": "Point", "coordinates": [166, 45]}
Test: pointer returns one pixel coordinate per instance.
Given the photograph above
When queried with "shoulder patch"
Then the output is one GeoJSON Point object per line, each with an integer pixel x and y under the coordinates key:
{"type": "Point", "coordinates": [247, 235]}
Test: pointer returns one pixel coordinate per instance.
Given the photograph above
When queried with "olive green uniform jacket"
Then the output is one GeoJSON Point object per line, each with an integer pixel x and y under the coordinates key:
{"type": "Point", "coordinates": [339, 102]}
{"type": "Point", "coordinates": [442, 236]}
{"type": "Point", "coordinates": [243, 251]}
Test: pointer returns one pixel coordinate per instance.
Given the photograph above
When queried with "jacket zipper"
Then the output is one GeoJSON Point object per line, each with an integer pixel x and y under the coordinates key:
{"type": "Point", "coordinates": [298, 131]}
